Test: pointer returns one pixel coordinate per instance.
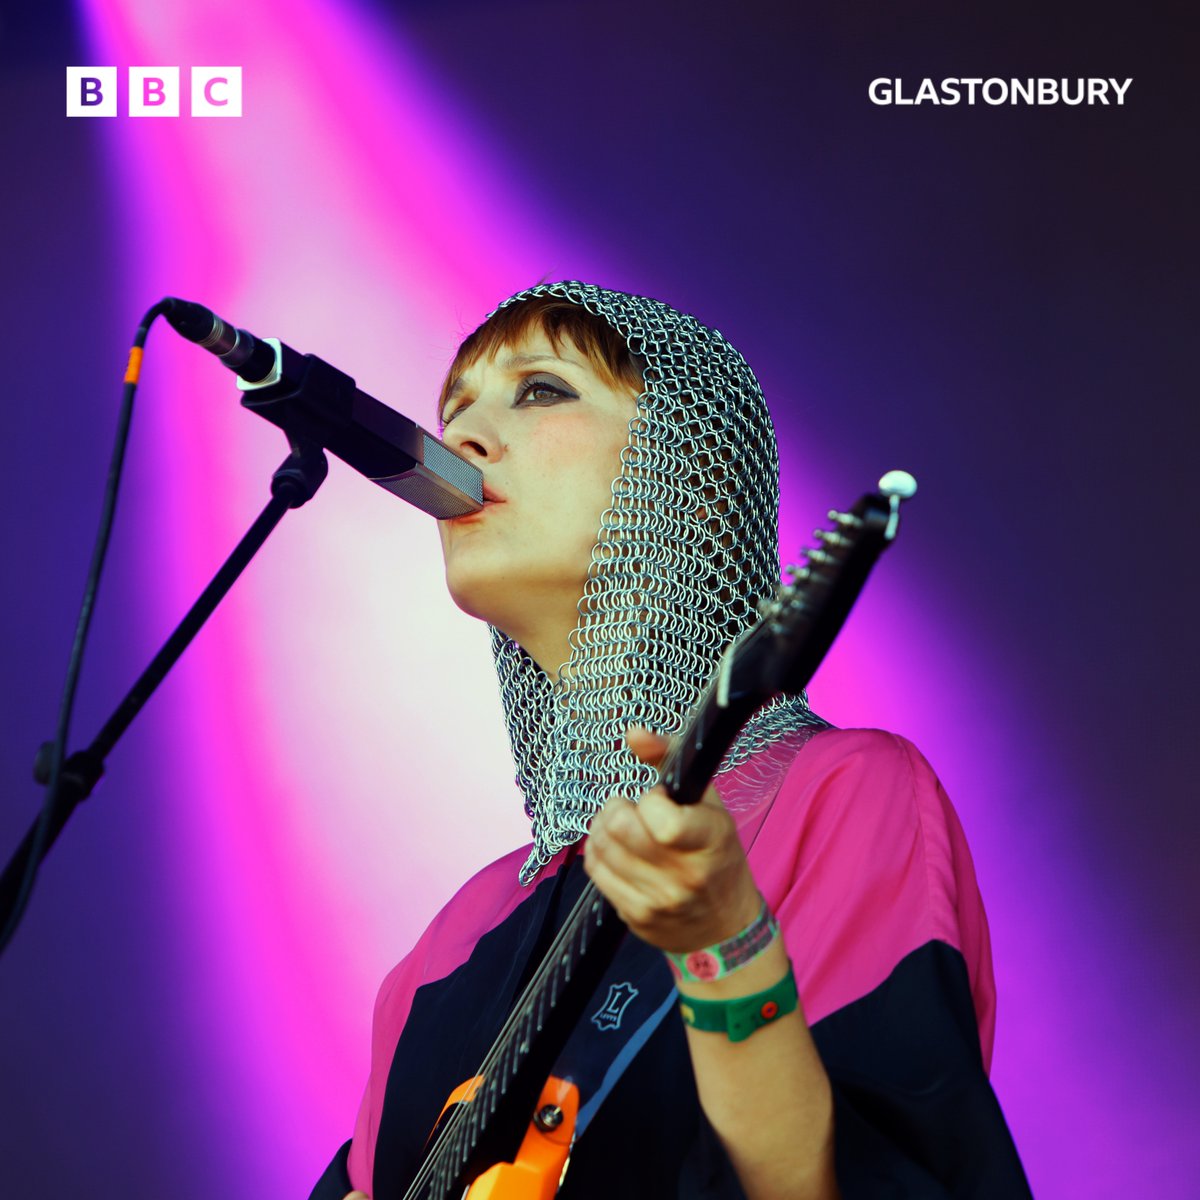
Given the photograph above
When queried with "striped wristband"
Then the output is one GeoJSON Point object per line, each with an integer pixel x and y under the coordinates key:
{"type": "Point", "coordinates": [715, 962]}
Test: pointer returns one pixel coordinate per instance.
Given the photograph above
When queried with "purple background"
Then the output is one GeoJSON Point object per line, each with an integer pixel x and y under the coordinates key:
{"type": "Point", "coordinates": [991, 298]}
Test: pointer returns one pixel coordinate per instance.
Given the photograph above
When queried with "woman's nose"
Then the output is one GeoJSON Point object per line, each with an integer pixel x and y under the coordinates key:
{"type": "Point", "coordinates": [473, 434]}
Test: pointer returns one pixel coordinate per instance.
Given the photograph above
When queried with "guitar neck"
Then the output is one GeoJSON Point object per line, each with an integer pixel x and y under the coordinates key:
{"type": "Point", "coordinates": [554, 1001]}
{"type": "Point", "coordinates": [489, 1129]}
{"type": "Point", "coordinates": [697, 752]}
{"type": "Point", "coordinates": [778, 655]}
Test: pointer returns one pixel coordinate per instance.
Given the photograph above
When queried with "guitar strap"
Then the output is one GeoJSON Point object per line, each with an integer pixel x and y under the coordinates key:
{"type": "Point", "coordinates": [638, 990]}
{"type": "Point", "coordinates": [624, 1057]}
{"type": "Point", "coordinates": [629, 1004]}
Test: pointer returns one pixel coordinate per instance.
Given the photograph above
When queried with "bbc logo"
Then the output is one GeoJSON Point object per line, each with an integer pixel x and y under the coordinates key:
{"type": "Point", "coordinates": [154, 92]}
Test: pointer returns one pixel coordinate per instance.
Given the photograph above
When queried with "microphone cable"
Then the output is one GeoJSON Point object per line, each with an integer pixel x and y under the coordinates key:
{"type": "Point", "coordinates": [56, 750]}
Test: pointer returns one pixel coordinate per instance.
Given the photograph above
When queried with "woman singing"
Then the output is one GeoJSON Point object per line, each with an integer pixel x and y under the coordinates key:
{"type": "Point", "coordinates": [803, 1006]}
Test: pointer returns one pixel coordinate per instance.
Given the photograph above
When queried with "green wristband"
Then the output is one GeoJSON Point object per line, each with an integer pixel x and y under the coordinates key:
{"type": "Point", "coordinates": [741, 1017]}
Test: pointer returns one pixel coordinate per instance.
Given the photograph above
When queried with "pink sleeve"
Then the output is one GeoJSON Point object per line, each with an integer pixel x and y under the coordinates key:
{"type": "Point", "coordinates": [862, 858]}
{"type": "Point", "coordinates": [392, 1006]}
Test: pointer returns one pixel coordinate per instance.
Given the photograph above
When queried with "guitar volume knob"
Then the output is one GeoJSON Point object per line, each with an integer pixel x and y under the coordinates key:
{"type": "Point", "coordinates": [548, 1117]}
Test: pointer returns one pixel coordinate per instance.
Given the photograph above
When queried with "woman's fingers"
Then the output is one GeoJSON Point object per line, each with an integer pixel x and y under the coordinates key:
{"type": "Point", "coordinates": [683, 827]}
{"type": "Point", "coordinates": [650, 747]}
{"type": "Point", "coordinates": [637, 898]}
{"type": "Point", "coordinates": [656, 828]}
{"type": "Point", "coordinates": [676, 873]}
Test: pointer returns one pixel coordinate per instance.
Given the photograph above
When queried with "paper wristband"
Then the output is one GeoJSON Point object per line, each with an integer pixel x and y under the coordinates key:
{"type": "Point", "coordinates": [715, 962]}
{"type": "Point", "coordinates": [739, 1018]}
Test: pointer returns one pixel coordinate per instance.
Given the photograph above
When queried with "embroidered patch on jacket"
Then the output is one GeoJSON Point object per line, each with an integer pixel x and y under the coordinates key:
{"type": "Point", "coordinates": [609, 1014]}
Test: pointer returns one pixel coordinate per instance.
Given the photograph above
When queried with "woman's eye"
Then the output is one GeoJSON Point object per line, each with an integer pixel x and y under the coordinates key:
{"type": "Point", "coordinates": [541, 391]}
{"type": "Point", "coordinates": [529, 391]}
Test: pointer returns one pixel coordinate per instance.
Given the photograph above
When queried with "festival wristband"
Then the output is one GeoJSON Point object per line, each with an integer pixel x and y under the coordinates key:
{"type": "Point", "coordinates": [741, 1017]}
{"type": "Point", "coordinates": [715, 962]}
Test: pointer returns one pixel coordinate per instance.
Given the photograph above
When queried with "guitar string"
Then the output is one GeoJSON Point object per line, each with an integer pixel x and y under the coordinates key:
{"type": "Point", "coordinates": [448, 1143]}
{"type": "Point", "coordinates": [436, 1160]}
{"type": "Point", "coordinates": [549, 966]}
{"type": "Point", "coordinates": [442, 1149]}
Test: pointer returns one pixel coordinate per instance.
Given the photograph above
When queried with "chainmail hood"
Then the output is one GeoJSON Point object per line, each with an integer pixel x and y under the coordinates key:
{"type": "Point", "coordinates": [687, 548]}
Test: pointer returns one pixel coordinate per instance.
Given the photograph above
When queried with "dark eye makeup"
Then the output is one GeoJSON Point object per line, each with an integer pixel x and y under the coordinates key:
{"type": "Point", "coordinates": [538, 390]}
{"type": "Point", "coordinates": [548, 385]}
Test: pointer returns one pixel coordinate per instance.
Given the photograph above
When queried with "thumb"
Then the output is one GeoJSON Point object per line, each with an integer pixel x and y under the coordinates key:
{"type": "Point", "coordinates": [650, 747]}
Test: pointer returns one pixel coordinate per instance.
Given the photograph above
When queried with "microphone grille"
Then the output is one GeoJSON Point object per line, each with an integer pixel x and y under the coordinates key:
{"type": "Point", "coordinates": [442, 484]}
{"type": "Point", "coordinates": [456, 471]}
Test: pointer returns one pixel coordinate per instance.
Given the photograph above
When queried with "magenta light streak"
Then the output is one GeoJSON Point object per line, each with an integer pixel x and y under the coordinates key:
{"type": "Point", "coordinates": [318, 829]}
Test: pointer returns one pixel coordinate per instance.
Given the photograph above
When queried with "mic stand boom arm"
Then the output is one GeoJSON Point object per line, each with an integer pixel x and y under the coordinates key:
{"type": "Point", "coordinates": [293, 484]}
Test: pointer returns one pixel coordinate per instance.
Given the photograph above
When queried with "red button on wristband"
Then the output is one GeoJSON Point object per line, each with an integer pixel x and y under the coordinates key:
{"type": "Point", "coordinates": [739, 1018]}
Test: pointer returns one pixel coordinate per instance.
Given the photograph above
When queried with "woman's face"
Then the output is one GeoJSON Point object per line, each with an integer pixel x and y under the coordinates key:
{"type": "Point", "coordinates": [547, 432]}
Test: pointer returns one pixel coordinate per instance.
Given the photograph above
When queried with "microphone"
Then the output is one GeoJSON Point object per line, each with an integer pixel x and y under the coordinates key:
{"type": "Point", "coordinates": [310, 400]}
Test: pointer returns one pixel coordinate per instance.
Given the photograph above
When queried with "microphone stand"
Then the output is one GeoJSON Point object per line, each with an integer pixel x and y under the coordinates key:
{"type": "Point", "coordinates": [293, 484]}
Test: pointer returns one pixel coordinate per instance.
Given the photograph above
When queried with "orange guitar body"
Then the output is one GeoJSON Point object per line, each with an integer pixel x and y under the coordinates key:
{"type": "Point", "coordinates": [537, 1170]}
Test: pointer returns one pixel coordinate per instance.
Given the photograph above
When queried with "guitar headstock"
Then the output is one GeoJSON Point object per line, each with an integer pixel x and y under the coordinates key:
{"type": "Point", "coordinates": [800, 622]}
{"type": "Point", "coordinates": [797, 625]}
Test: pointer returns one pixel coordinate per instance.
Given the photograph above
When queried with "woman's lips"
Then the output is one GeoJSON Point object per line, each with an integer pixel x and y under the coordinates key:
{"type": "Point", "coordinates": [490, 500]}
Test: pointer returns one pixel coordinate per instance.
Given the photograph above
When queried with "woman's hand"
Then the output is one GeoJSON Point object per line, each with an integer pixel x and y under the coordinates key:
{"type": "Point", "coordinates": [675, 873]}
{"type": "Point", "coordinates": [679, 878]}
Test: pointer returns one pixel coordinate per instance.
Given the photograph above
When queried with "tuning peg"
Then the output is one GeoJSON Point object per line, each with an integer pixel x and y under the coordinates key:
{"type": "Point", "coordinates": [818, 558]}
{"type": "Point", "coordinates": [899, 484]}
{"type": "Point", "coordinates": [795, 574]}
{"type": "Point", "coordinates": [830, 538]}
{"type": "Point", "coordinates": [845, 520]}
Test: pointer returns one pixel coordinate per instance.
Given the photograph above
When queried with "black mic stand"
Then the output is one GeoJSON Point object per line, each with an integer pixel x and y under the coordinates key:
{"type": "Point", "coordinates": [293, 484]}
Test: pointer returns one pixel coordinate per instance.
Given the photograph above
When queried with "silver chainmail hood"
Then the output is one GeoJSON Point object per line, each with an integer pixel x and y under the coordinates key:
{"type": "Point", "coordinates": [684, 553]}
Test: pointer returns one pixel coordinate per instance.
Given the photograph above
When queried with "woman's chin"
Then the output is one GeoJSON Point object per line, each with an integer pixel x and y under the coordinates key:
{"type": "Point", "coordinates": [469, 602]}
{"type": "Point", "coordinates": [476, 592]}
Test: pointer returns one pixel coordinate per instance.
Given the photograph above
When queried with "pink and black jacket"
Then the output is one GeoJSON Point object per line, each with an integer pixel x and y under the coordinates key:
{"type": "Point", "coordinates": [857, 850]}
